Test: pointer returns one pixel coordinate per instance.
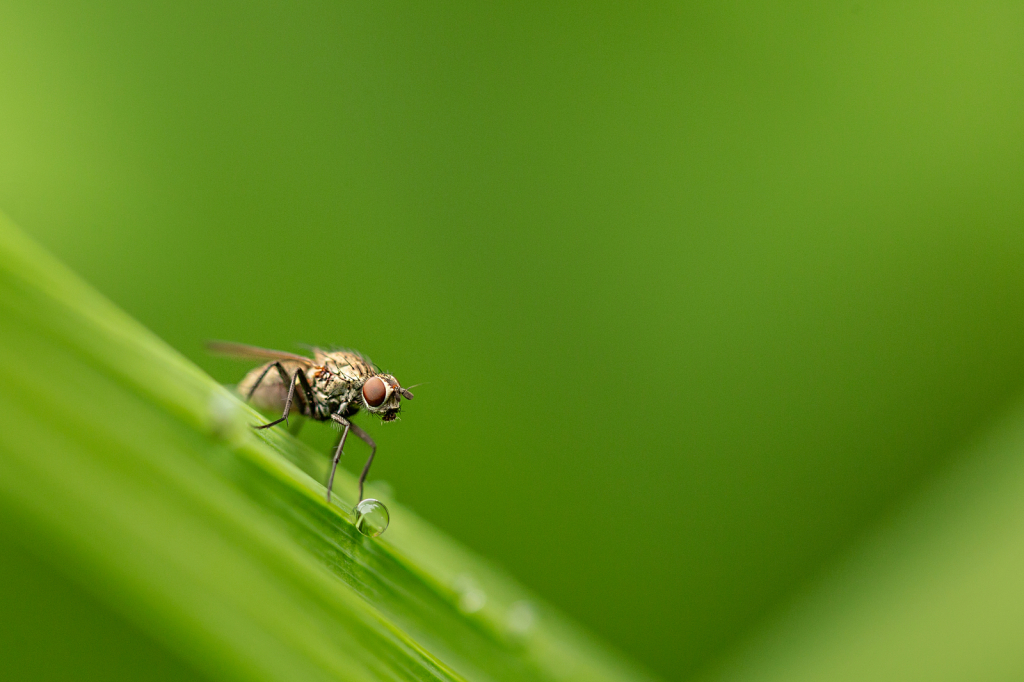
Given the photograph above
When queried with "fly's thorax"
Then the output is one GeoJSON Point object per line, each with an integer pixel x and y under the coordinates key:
{"type": "Point", "coordinates": [331, 387]}
{"type": "Point", "coordinates": [347, 364]}
{"type": "Point", "coordinates": [341, 373]}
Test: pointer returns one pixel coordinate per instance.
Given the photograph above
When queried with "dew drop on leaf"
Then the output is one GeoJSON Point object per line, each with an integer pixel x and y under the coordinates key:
{"type": "Point", "coordinates": [472, 597]}
{"type": "Point", "coordinates": [520, 619]}
{"type": "Point", "coordinates": [372, 517]}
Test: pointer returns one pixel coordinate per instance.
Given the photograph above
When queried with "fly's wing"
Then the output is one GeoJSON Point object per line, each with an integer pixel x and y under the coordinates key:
{"type": "Point", "coordinates": [241, 350]}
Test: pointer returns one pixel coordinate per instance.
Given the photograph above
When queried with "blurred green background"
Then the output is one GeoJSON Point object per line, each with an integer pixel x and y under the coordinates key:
{"type": "Point", "coordinates": [701, 290]}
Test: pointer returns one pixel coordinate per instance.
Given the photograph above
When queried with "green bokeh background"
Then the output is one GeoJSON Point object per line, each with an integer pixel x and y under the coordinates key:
{"type": "Point", "coordinates": [700, 290]}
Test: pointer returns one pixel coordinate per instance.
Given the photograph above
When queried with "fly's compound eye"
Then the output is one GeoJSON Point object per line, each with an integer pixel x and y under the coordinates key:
{"type": "Point", "coordinates": [374, 392]}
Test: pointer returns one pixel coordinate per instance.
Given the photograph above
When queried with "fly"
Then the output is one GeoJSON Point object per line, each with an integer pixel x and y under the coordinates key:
{"type": "Point", "coordinates": [333, 386]}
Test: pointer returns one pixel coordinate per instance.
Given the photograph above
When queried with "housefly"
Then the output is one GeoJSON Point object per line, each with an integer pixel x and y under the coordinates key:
{"type": "Point", "coordinates": [332, 386]}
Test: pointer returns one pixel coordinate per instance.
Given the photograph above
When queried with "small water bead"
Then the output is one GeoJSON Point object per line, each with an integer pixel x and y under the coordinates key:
{"type": "Point", "coordinates": [472, 597]}
{"type": "Point", "coordinates": [372, 517]}
{"type": "Point", "coordinates": [521, 619]}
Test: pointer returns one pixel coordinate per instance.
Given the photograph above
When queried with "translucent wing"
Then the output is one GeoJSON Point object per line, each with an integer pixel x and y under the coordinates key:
{"type": "Point", "coordinates": [241, 350]}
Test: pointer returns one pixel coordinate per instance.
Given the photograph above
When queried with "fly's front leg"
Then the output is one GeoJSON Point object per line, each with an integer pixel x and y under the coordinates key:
{"type": "Point", "coordinates": [299, 376]}
{"type": "Point", "coordinates": [373, 451]}
{"type": "Point", "coordinates": [346, 425]}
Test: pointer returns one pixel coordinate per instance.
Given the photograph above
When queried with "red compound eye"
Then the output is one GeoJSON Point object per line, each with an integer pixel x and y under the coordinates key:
{"type": "Point", "coordinates": [374, 392]}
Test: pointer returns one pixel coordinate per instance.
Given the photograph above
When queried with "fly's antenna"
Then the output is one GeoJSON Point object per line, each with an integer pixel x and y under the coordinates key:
{"type": "Point", "coordinates": [406, 393]}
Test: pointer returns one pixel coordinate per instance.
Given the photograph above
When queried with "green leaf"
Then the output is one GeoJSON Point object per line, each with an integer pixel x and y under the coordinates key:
{"type": "Point", "coordinates": [136, 481]}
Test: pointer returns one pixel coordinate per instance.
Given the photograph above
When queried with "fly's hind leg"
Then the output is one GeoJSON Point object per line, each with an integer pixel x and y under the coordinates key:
{"type": "Point", "coordinates": [373, 451]}
{"type": "Point", "coordinates": [259, 380]}
{"type": "Point", "coordinates": [299, 376]}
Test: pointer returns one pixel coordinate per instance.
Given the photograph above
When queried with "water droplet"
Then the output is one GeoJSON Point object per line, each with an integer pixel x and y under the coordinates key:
{"type": "Point", "coordinates": [372, 517]}
{"type": "Point", "coordinates": [521, 619]}
{"type": "Point", "coordinates": [471, 596]}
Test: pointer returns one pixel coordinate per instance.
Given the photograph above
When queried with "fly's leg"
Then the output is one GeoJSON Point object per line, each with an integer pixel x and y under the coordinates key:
{"type": "Point", "coordinates": [299, 376]}
{"type": "Point", "coordinates": [284, 377]}
{"type": "Point", "coordinates": [259, 380]}
{"type": "Point", "coordinates": [346, 425]}
{"type": "Point", "coordinates": [307, 393]}
{"type": "Point", "coordinates": [373, 451]}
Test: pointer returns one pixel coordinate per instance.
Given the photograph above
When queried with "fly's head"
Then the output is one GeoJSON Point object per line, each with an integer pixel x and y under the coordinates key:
{"type": "Point", "coordinates": [382, 395]}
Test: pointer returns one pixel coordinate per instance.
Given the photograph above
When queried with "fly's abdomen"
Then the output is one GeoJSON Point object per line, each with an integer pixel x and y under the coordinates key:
{"type": "Point", "coordinates": [270, 391]}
